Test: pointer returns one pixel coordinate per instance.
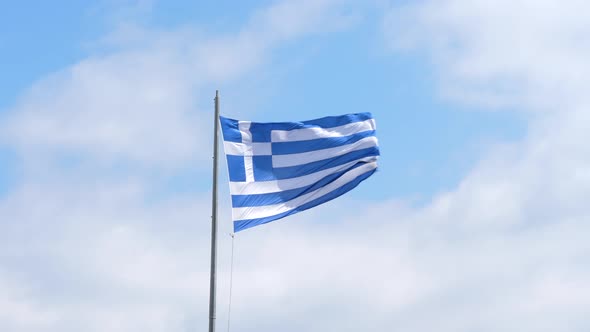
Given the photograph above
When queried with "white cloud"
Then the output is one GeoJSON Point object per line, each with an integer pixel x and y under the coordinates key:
{"type": "Point", "coordinates": [123, 106]}
{"type": "Point", "coordinates": [412, 270]}
{"type": "Point", "coordinates": [17, 311]}
{"type": "Point", "coordinates": [499, 53]}
{"type": "Point", "coordinates": [96, 257]}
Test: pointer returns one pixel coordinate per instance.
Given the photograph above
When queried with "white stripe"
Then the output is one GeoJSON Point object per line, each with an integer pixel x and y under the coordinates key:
{"type": "Point", "coordinates": [249, 167]}
{"type": "Point", "coordinates": [244, 127]}
{"type": "Point", "coordinates": [256, 212]}
{"type": "Point", "coordinates": [306, 134]}
{"type": "Point", "coordinates": [294, 159]}
{"type": "Point", "coordinates": [267, 187]}
{"type": "Point", "coordinates": [247, 149]}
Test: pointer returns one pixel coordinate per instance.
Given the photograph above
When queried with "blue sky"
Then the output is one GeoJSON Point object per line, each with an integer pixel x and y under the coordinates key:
{"type": "Point", "coordinates": [479, 205]}
{"type": "Point", "coordinates": [39, 38]}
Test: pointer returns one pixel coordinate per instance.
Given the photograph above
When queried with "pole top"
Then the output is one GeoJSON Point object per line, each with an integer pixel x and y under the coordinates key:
{"type": "Point", "coordinates": [216, 93]}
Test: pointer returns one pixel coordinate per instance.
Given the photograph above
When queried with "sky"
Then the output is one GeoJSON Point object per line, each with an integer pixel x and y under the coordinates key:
{"type": "Point", "coordinates": [477, 219]}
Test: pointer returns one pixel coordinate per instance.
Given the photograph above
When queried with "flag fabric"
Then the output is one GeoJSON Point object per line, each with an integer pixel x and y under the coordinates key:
{"type": "Point", "coordinates": [282, 168]}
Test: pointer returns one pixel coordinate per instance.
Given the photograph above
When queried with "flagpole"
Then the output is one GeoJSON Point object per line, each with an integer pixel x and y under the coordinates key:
{"type": "Point", "coordinates": [213, 280]}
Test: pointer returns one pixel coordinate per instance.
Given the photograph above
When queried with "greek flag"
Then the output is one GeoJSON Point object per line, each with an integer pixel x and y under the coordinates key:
{"type": "Point", "coordinates": [278, 169]}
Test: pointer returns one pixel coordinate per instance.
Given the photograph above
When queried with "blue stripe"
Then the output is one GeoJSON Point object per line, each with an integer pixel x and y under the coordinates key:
{"type": "Point", "coordinates": [287, 195]}
{"type": "Point", "coordinates": [263, 170]}
{"type": "Point", "coordinates": [236, 168]}
{"type": "Point", "coordinates": [305, 169]}
{"type": "Point", "coordinates": [280, 148]}
{"type": "Point", "coordinates": [230, 130]}
{"type": "Point", "coordinates": [240, 225]}
{"type": "Point", "coordinates": [261, 131]}
{"type": "Point", "coordinates": [337, 121]}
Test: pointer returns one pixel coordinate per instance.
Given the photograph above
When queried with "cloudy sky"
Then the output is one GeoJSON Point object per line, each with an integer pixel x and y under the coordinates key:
{"type": "Point", "coordinates": [478, 219]}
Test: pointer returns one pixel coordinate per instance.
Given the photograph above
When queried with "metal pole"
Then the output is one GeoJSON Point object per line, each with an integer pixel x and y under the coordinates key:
{"type": "Point", "coordinates": [214, 219]}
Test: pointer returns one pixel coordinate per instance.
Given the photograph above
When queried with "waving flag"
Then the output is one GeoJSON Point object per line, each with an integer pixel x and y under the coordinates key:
{"type": "Point", "coordinates": [278, 169]}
